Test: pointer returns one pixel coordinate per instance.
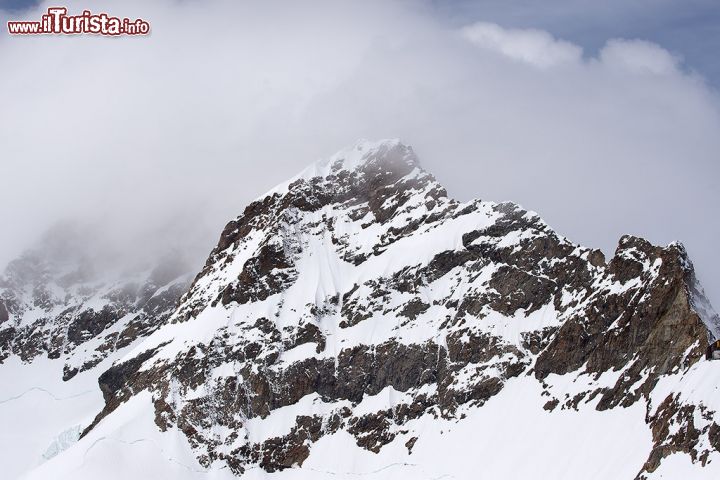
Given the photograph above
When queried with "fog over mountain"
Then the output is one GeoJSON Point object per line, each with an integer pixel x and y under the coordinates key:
{"type": "Point", "coordinates": [157, 141]}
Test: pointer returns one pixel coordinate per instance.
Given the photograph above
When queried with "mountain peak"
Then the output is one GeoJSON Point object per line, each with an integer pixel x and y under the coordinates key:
{"type": "Point", "coordinates": [364, 153]}
{"type": "Point", "coordinates": [365, 157]}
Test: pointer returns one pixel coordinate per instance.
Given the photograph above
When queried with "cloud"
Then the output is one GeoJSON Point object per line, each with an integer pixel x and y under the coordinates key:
{"type": "Point", "coordinates": [535, 47]}
{"type": "Point", "coordinates": [176, 132]}
{"type": "Point", "coordinates": [541, 49]}
{"type": "Point", "coordinates": [639, 56]}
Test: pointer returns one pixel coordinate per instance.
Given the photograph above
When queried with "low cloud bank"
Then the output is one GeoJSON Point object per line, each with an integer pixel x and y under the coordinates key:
{"type": "Point", "coordinates": [225, 99]}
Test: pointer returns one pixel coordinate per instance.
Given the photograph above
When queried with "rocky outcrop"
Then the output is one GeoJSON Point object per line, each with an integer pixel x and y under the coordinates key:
{"type": "Point", "coordinates": [4, 316]}
{"type": "Point", "coordinates": [645, 323]}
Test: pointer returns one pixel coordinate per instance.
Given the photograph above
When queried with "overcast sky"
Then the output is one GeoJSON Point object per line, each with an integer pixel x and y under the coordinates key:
{"type": "Point", "coordinates": [602, 116]}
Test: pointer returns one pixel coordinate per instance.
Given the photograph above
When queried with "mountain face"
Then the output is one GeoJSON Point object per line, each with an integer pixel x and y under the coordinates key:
{"type": "Point", "coordinates": [357, 321]}
{"type": "Point", "coordinates": [64, 318]}
{"type": "Point", "coordinates": [55, 303]}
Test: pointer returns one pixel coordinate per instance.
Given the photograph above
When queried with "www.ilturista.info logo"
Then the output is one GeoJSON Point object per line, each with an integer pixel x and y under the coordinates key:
{"type": "Point", "coordinates": [58, 22]}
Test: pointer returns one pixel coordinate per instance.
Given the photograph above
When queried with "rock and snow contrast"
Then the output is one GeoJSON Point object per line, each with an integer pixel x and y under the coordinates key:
{"type": "Point", "coordinates": [356, 322]}
{"type": "Point", "coordinates": [64, 318]}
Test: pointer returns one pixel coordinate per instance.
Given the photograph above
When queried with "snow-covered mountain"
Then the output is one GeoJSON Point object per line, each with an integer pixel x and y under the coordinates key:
{"type": "Point", "coordinates": [355, 321]}
{"type": "Point", "coordinates": [65, 316]}
{"type": "Point", "coordinates": [55, 303]}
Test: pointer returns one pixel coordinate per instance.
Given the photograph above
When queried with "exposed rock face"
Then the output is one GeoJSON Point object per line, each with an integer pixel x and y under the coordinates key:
{"type": "Point", "coordinates": [671, 416]}
{"type": "Point", "coordinates": [649, 325]}
{"type": "Point", "coordinates": [60, 307]}
{"type": "Point", "coordinates": [361, 278]}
